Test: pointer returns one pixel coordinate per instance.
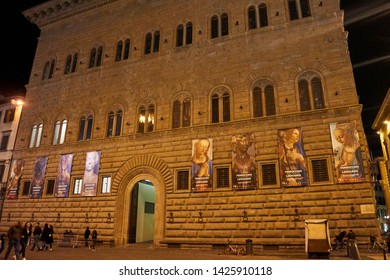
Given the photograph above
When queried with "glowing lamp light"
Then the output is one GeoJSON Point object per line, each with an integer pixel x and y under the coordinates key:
{"type": "Point", "coordinates": [17, 102]}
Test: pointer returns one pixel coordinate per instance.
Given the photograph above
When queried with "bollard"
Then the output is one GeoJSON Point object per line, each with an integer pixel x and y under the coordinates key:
{"type": "Point", "coordinates": [249, 247]}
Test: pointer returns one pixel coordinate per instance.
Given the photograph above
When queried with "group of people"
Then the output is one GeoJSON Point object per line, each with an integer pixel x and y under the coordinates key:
{"type": "Point", "coordinates": [87, 233]}
{"type": "Point", "coordinates": [19, 239]}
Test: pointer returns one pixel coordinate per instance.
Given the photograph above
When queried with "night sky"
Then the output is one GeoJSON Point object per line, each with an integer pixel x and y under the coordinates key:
{"type": "Point", "coordinates": [367, 22]}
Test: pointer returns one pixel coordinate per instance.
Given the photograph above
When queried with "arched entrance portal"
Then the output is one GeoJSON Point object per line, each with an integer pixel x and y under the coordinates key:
{"type": "Point", "coordinates": [141, 216]}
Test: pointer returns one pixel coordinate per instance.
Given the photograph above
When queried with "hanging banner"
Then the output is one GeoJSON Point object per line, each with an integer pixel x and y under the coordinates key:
{"type": "Point", "coordinates": [13, 185]}
{"type": "Point", "coordinates": [91, 174]}
{"type": "Point", "coordinates": [292, 159]}
{"type": "Point", "coordinates": [63, 176]}
{"type": "Point", "coordinates": [39, 176]}
{"type": "Point", "coordinates": [347, 152]}
{"type": "Point", "coordinates": [202, 165]}
{"type": "Point", "coordinates": [243, 161]}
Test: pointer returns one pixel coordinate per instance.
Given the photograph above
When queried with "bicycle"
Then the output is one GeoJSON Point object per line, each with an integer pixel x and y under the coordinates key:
{"type": "Point", "coordinates": [374, 246]}
{"type": "Point", "coordinates": [234, 249]}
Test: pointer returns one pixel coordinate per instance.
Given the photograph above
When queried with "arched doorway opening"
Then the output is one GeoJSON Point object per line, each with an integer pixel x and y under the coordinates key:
{"type": "Point", "coordinates": [141, 216]}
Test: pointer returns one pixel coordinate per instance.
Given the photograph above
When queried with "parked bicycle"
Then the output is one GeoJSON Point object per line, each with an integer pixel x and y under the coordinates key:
{"type": "Point", "coordinates": [375, 246]}
{"type": "Point", "coordinates": [234, 249]}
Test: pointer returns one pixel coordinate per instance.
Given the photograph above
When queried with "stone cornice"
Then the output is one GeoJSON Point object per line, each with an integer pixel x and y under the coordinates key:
{"type": "Point", "coordinates": [383, 114]}
{"type": "Point", "coordinates": [56, 10]}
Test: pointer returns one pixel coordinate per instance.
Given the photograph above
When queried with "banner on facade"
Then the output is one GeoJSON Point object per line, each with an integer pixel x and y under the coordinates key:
{"type": "Point", "coordinates": [38, 178]}
{"type": "Point", "coordinates": [13, 185]}
{"type": "Point", "coordinates": [292, 159]}
{"type": "Point", "coordinates": [63, 176]}
{"type": "Point", "coordinates": [202, 164]}
{"type": "Point", "coordinates": [243, 161]}
{"type": "Point", "coordinates": [91, 174]}
{"type": "Point", "coordinates": [347, 152]}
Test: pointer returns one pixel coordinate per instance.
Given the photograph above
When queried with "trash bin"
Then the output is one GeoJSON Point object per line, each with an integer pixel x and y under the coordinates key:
{"type": "Point", "coordinates": [249, 247]}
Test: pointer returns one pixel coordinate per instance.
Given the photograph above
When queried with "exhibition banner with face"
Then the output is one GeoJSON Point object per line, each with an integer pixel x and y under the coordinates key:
{"type": "Point", "coordinates": [292, 159]}
{"type": "Point", "coordinates": [347, 152]}
{"type": "Point", "coordinates": [243, 161]}
{"type": "Point", "coordinates": [91, 173]}
{"type": "Point", "coordinates": [39, 176]}
{"type": "Point", "coordinates": [202, 164]}
{"type": "Point", "coordinates": [14, 179]}
{"type": "Point", "coordinates": [63, 176]}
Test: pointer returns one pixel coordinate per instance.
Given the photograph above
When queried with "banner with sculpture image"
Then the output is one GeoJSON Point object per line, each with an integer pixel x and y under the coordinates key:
{"type": "Point", "coordinates": [347, 152]}
{"type": "Point", "coordinates": [91, 173]}
{"type": "Point", "coordinates": [63, 176]}
{"type": "Point", "coordinates": [292, 159]}
{"type": "Point", "coordinates": [38, 177]}
{"type": "Point", "coordinates": [243, 161]}
{"type": "Point", "coordinates": [13, 185]}
{"type": "Point", "coordinates": [202, 164]}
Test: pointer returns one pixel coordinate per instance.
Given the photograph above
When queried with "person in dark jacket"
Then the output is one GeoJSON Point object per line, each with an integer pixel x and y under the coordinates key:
{"type": "Point", "coordinates": [45, 237]}
{"type": "Point", "coordinates": [94, 238]}
{"type": "Point", "coordinates": [86, 236]}
{"type": "Point", "coordinates": [50, 238]}
{"type": "Point", "coordinates": [26, 234]}
{"type": "Point", "coordinates": [37, 234]}
{"type": "Point", "coordinates": [14, 234]}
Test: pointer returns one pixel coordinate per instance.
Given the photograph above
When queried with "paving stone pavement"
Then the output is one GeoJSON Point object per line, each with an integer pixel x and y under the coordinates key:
{"type": "Point", "coordinates": [150, 252]}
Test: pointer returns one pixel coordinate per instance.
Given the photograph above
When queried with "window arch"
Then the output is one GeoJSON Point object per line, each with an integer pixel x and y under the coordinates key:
{"type": "Point", "coordinates": [114, 124]}
{"type": "Point", "coordinates": [36, 135]}
{"type": "Point", "coordinates": [146, 118]}
{"type": "Point", "coordinates": [220, 106]}
{"type": "Point", "coordinates": [152, 42]}
{"type": "Point", "coordinates": [298, 9]}
{"type": "Point", "coordinates": [181, 113]}
{"type": "Point", "coordinates": [122, 50]}
{"type": "Point", "coordinates": [48, 71]}
{"type": "Point", "coordinates": [310, 91]}
{"type": "Point", "coordinates": [60, 131]}
{"type": "Point", "coordinates": [71, 63]}
{"type": "Point", "coordinates": [257, 16]}
{"type": "Point", "coordinates": [219, 25]}
{"type": "Point", "coordinates": [263, 99]}
{"type": "Point", "coordinates": [184, 34]}
{"type": "Point", "coordinates": [85, 127]}
{"type": "Point", "coordinates": [95, 58]}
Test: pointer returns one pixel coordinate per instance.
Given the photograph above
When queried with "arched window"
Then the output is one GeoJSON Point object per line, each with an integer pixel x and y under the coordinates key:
{"type": "Point", "coordinates": [122, 50]}
{"type": "Point", "coordinates": [181, 115]}
{"type": "Point", "coordinates": [114, 126]}
{"type": "Point", "coordinates": [71, 63]}
{"type": "Point", "coordinates": [95, 58]}
{"type": "Point", "coordinates": [179, 35]}
{"type": "Point", "coordinates": [310, 92]}
{"type": "Point", "coordinates": [252, 22]}
{"type": "Point", "coordinates": [263, 15]}
{"type": "Point", "coordinates": [36, 135]}
{"type": "Point", "coordinates": [298, 9]}
{"type": "Point", "coordinates": [85, 127]}
{"type": "Point", "coordinates": [219, 25]}
{"type": "Point", "coordinates": [220, 106]}
{"type": "Point", "coordinates": [257, 16]}
{"type": "Point", "coordinates": [146, 118]}
{"type": "Point", "coordinates": [48, 71]}
{"type": "Point", "coordinates": [188, 34]}
{"type": "Point", "coordinates": [263, 98]}
{"type": "Point", "coordinates": [184, 35]}
{"type": "Point", "coordinates": [59, 132]}
{"type": "Point", "coordinates": [152, 42]}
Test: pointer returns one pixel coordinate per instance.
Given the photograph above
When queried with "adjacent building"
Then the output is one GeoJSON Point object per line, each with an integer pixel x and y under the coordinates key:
{"type": "Point", "coordinates": [188, 123]}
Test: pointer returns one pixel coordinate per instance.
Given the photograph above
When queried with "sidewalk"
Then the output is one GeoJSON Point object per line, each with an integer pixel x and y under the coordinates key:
{"type": "Point", "coordinates": [149, 252]}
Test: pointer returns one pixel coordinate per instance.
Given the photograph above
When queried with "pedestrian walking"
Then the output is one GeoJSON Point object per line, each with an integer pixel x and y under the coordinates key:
{"type": "Point", "coordinates": [94, 238]}
{"type": "Point", "coordinates": [86, 236]}
{"type": "Point", "coordinates": [45, 237]}
{"type": "Point", "coordinates": [50, 238]}
{"type": "Point", "coordinates": [26, 234]}
{"type": "Point", "coordinates": [14, 234]}
{"type": "Point", "coordinates": [37, 234]}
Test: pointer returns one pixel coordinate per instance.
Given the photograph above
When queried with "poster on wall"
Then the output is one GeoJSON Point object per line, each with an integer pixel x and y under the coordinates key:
{"type": "Point", "coordinates": [347, 152]}
{"type": "Point", "coordinates": [243, 161]}
{"type": "Point", "coordinates": [14, 179]}
{"type": "Point", "coordinates": [38, 177]}
{"type": "Point", "coordinates": [292, 159]}
{"type": "Point", "coordinates": [91, 173]}
{"type": "Point", "coordinates": [63, 176]}
{"type": "Point", "coordinates": [202, 164]}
